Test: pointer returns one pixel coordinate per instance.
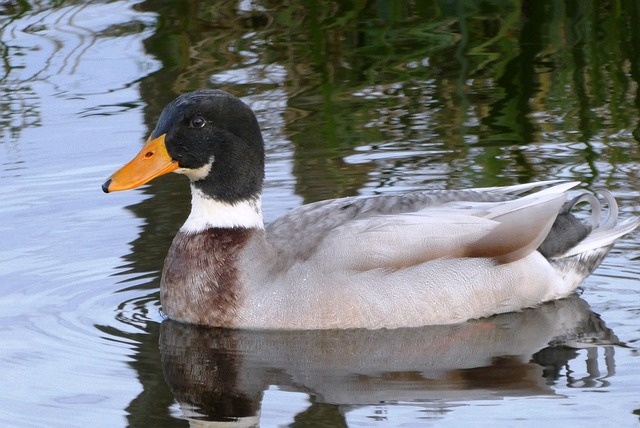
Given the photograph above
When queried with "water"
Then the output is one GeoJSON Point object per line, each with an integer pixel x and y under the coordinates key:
{"type": "Point", "coordinates": [352, 99]}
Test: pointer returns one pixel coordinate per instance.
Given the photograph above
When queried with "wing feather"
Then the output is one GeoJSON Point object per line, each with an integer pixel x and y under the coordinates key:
{"type": "Point", "coordinates": [396, 231]}
{"type": "Point", "coordinates": [395, 241]}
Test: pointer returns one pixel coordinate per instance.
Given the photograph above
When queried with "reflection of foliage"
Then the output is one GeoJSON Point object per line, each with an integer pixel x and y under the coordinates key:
{"type": "Point", "coordinates": [18, 101]}
{"type": "Point", "coordinates": [505, 88]}
{"type": "Point", "coordinates": [19, 110]}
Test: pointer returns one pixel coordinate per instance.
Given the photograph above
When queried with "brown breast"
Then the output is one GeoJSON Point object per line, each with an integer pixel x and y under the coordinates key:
{"type": "Point", "coordinates": [200, 280]}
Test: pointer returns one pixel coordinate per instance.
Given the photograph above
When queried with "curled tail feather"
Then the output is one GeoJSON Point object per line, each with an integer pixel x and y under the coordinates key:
{"type": "Point", "coordinates": [584, 245]}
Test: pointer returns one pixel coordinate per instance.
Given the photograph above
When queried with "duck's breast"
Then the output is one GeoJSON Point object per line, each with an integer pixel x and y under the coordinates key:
{"type": "Point", "coordinates": [201, 282]}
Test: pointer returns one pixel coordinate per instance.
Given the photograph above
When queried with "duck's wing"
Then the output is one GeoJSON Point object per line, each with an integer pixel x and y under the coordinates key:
{"type": "Point", "coordinates": [396, 231]}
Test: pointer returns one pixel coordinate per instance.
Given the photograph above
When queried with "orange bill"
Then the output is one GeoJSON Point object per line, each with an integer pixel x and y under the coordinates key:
{"type": "Point", "coordinates": [152, 161]}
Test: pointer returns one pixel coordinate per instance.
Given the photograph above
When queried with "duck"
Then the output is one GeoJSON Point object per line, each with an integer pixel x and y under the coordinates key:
{"type": "Point", "coordinates": [421, 258]}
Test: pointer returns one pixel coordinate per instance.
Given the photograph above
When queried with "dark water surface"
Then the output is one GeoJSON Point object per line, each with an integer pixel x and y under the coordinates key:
{"type": "Point", "coordinates": [354, 98]}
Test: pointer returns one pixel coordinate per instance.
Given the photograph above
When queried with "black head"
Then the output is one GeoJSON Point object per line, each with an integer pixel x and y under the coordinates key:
{"type": "Point", "coordinates": [212, 127]}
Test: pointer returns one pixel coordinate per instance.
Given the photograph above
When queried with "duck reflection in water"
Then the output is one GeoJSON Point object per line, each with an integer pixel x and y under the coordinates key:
{"type": "Point", "coordinates": [219, 374]}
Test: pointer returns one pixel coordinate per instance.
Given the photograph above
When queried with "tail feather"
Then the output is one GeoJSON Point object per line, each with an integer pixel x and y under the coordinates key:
{"type": "Point", "coordinates": [607, 232]}
{"type": "Point", "coordinates": [581, 259]}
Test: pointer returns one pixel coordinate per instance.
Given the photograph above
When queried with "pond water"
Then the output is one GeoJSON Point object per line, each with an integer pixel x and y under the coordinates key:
{"type": "Point", "coordinates": [354, 98]}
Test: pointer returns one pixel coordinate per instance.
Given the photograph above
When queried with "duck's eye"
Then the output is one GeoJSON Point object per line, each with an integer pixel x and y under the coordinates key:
{"type": "Point", "coordinates": [198, 122]}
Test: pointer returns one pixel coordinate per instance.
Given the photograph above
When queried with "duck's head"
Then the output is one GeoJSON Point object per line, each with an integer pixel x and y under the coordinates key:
{"type": "Point", "coordinates": [208, 135]}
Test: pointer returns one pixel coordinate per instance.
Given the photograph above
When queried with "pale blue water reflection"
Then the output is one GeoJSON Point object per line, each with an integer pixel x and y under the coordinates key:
{"type": "Point", "coordinates": [353, 99]}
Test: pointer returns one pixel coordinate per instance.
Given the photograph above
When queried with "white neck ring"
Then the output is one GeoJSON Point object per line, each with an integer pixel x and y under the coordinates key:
{"type": "Point", "coordinates": [207, 213]}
